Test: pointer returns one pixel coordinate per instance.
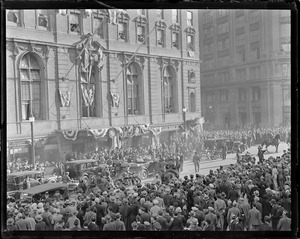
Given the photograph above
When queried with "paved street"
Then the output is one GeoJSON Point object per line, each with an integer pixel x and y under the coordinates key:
{"type": "Point", "coordinates": [205, 166]}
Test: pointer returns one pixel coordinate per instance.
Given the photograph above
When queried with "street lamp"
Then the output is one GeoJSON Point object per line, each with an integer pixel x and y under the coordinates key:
{"type": "Point", "coordinates": [184, 110]}
{"type": "Point", "coordinates": [282, 102]}
{"type": "Point", "coordinates": [210, 116]}
{"type": "Point", "coordinates": [31, 120]}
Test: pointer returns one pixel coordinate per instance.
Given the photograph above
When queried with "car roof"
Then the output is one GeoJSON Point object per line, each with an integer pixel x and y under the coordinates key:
{"type": "Point", "coordinates": [23, 173]}
{"type": "Point", "coordinates": [44, 188]}
{"type": "Point", "coordinates": [81, 161]}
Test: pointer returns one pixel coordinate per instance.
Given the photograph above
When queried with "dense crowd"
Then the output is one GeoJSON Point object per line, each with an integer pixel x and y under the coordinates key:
{"type": "Point", "coordinates": [245, 196]}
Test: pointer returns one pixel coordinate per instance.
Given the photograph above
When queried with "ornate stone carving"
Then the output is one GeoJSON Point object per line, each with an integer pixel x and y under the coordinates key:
{"type": "Point", "coordinates": [191, 76]}
{"type": "Point", "coordinates": [190, 30]}
{"type": "Point", "coordinates": [175, 27]}
{"type": "Point", "coordinates": [161, 23]}
{"type": "Point", "coordinates": [141, 19]}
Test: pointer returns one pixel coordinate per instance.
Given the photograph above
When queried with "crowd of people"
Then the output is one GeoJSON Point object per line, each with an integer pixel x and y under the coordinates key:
{"type": "Point", "coordinates": [246, 196]}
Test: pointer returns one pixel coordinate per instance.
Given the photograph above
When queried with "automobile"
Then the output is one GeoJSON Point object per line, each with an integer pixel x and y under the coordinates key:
{"type": "Point", "coordinates": [240, 145]}
{"type": "Point", "coordinates": [35, 194]}
{"type": "Point", "coordinates": [77, 168]}
{"type": "Point", "coordinates": [15, 180]}
{"type": "Point", "coordinates": [145, 167]}
{"type": "Point", "coordinates": [217, 142]}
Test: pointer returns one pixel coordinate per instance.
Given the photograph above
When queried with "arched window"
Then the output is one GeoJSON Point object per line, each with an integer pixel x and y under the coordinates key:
{"type": "Point", "coordinates": [169, 90]}
{"type": "Point", "coordinates": [31, 87]}
{"type": "Point", "coordinates": [133, 90]}
{"type": "Point", "coordinates": [192, 105]}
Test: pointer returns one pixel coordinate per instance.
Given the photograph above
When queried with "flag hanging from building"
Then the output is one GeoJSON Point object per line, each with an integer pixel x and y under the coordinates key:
{"type": "Point", "coordinates": [113, 16]}
{"type": "Point", "coordinates": [65, 98]}
{"type": "Point", "coordinates": [88, 95]}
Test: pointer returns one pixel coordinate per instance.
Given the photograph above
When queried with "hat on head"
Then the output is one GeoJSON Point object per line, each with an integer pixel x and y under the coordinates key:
{"type": "Point", "coordinates": [10, 221]}
{"type": "Point", "coordinates": [155, 202]}
{"type": "Point", "coordinates": [146, 223]}
{"type": "Point", "coordinates": [38, 218]}
{"type": "Point", "coordinates": [194, 209]}
{"type": "Point", "coordinates": [40, 205]}
{"type": "Point", "coordinates": [210, 209]}
{"type": "Point", "coordinates": [134, 225]}
{"type": "Point", "coordinates": [178, 209]}
{"type": "Point", "coordinates": [194, 221]}
{"type": "Point", "coordinates": [157, 225]}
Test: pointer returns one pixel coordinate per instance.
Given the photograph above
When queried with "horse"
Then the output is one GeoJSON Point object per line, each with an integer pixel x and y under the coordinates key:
{"type": "Point", "coordinates": [272, 141]}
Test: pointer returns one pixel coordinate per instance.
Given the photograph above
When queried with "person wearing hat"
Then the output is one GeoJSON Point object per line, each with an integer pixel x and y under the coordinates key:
{"type": "Point", "coordinates": [196, 161]}
{"type": "Point", "coordinates": [134, 226]}
{"type": "Point", "coordinates": [254, 218]}
{"type": "Point", "coordinates": [56, 217]}
{"type": "Point", "coordinates": [212, 217]}
{"type": "Point", "coordinates": [194, 225]}
{"type": "Point", "coordinates": [47, 217]}
{"type": "Point", "coordinates": [40, 225]}
{"type": "Point", "coordinates": [163, 221]}
{"type": "Point", "coordinates": [220, 207]}
{"type": "Point", "coordinates": [155, 208]}
{"type": "Point", "coordinates": [266, 225]}
{"type": "Point", "coordinates": [120, 226]}
{"type": "Point", "coordinates": [30, 220]}
{"type": "Point", "coordinates": [21, 223]}
{"type": "Point", "coordinates": [72, 219]}
{"type": "Point", "coordinates": [177, 223]}
{"type": "Point", "coordinates": [260, 154]}
{"type": "Point", "coordinates": [10, 226]}
{"type": "Point", "coordinates": [109, 225]}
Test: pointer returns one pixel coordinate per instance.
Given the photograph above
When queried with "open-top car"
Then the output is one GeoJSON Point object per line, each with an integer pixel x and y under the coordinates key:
{"type": "Point", "coordinates": [145, 167]}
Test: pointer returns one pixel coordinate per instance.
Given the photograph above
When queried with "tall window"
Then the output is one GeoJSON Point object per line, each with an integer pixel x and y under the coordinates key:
{"type": "Point", "coordinates": [140, 34]}
{"type": "Point", "coordinates": [74, 22]}
{"type": "Point", "coordinates": [241, 54]}
{"type": "Point", "coordinates": [133, 96]}
{"type": "Point", "coordinates": [122, 31]}
{"type": "Point", "coordinates": [175, 17]}
{"type": "Point", "coordinates": [159, 14]}
{"type": "Point", "coordinates": [190, 43]}
{"type": "Point", "coordinates": [255, 51]}
{"type": "Point", "coordinates": [175, 40]}
{"type": "Point", "coordinates": [224, 95]}
{"type": "Point", "coordinates": [31, 87]}
{"type": "Point", "coordinates": [168, 86]}
{"type": "Point", "coordinates": [242, 94]}
{"type": "Point", "coordinates": [88, 89]}
{"type": "Point", "coordinates": [207, 17]}
{"type": "Point", "coordinates": [189, 18]}
{"type": "Point", "coordinates": [256, 93]}
{"type": "Point", "coordinates": [99, 24]}
{"type": "Point", "coordinates": [160, 37]}
{"type": "Point", "coordinates": [192, 102]}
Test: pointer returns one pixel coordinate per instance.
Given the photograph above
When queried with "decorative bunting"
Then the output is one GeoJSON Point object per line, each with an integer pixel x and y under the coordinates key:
{"type": "Point", "coordinates": [70, 134]}
{"type": "Point", "coordinates": [65, 98]}
{"type": "Point", "coordinates": [156, 131]}
{"type": "Point", "coordinates": [98, 133]}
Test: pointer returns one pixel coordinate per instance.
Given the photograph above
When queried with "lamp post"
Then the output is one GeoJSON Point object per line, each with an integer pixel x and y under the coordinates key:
{"type": "Point", "coordinates": [210, 116]}
{"type": "Point", "coordinates": [31, 120]}
{"type": "Point", "coordinates": [282, 87]}
{"type": "Point", "coordinates": [184, 110]}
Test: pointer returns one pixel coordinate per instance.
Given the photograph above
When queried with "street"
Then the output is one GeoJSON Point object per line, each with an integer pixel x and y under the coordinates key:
{"type": "Point", "coordinates": [205, 166]}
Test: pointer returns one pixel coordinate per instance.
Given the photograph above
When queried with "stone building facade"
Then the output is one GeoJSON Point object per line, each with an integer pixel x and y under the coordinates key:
{"type": "Point", "coordinates": [246, 69]}
{"type": "Point", "coordinates": [85, 75]}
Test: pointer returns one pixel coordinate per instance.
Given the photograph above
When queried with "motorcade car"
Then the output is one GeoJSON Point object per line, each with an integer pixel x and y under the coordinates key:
{"type": "Point", "coordinates": [77, 168]}
{"type": "Point", "coordinates": [15, 180]}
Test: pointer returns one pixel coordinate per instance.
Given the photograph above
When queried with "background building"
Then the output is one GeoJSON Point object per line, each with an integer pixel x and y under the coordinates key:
{"type": "Point", "coordinates": [246, 69]}
{"type": "Point", "coordinates": [89, 101]}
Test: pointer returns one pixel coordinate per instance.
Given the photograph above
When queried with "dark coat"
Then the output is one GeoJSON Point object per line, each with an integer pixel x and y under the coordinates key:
{"type": "Point", "coordinates": [40, 226]}
{"type": "Point", "coordinates": [177, 224]}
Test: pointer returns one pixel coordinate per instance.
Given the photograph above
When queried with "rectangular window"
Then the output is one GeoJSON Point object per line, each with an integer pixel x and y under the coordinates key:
{"type": "Point", "coordinates": [254, 35]}
{"type": "Point", "coordinates": [140, 34]}
{"type": "Point", "coordinates": [42, 18]}
{"type": "Point", "coordinates": [98, 26]}
{"type": "Point", "coordinates": [223, 28]}
{"type": "Point", "coordinates": [256, 93]}
{"type": "Point", "coordinates": [254, 16]}
{"type": "Point", "coordinates": [141, 12]}
{"type": "Point", "coordinates": [122, 31]}
{"type": "Point", "coordinates": [241, 39]}
{"type": "Point", "coordinates": [175, 40]}
{"type": "Point", "coordinates": [242, 94]}
{"type": "Point", "coordinates": [240, 21]}
{"type": "Point", "coordinates": [159, 14]}
{"type": "Point", "coordinates": [13, 17]}
{"type": "Point", "coordinates": [160, 37]}
{"type": "Point", "coordinates": [224, 95]}
{"type": "Point", "coordinates": [208, 17]}
{"type": "Point", "coordinates": [241, 55]}
{"type": "Point", "coordinates": [175, 18]}
{"type": "Point", "coordinates": [190, 43]}
{"type": "Point", "coordinates": [255, 51]}
{"type": "Point", "coordinates": [189, 18]}
{"type": "Point", "coordinates": [74, 22]}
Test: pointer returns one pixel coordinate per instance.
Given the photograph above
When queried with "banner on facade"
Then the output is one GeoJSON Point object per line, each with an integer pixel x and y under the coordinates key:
{"type": "Point", "coordinates": [70, 134]}
{"type": "Point", "coordinates": [88, 95]}
{"type": "Point", "coordinates": [65, 98]}
{"type": "Point", "coordinates": [115, 99]}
